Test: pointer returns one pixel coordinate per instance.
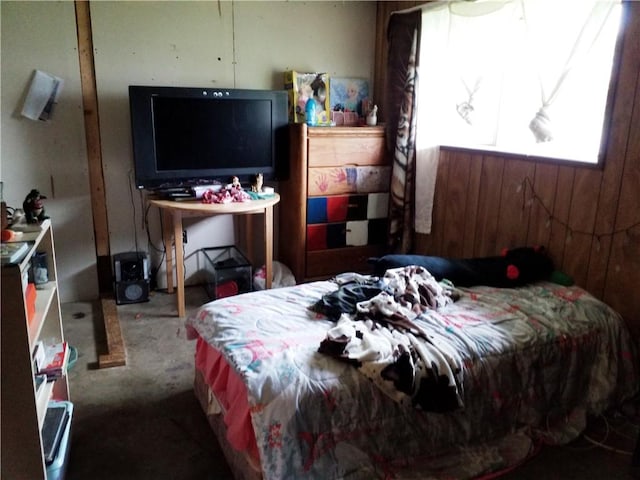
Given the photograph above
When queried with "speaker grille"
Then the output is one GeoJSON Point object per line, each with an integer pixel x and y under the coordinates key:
{"type": "Point", "coordinates": [131, 271]}
{"type": "Point", "coordinates": [132, 292]}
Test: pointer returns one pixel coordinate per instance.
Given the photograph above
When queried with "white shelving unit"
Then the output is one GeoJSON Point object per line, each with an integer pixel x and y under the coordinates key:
{"type": "Point", "coordinates": [22, 414]}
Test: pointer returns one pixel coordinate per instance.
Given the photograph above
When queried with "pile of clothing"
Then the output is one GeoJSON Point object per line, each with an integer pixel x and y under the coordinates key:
{"type": "Point", "coordinates": [376, 332]}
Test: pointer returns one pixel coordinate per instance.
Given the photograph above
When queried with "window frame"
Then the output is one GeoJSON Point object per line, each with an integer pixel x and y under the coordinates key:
{"type": "Point", "coordinates": [607, 118]}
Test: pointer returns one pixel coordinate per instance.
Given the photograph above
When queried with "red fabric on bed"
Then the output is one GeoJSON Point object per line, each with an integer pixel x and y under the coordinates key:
{"type": "Point", "coordinates": [231, 394]}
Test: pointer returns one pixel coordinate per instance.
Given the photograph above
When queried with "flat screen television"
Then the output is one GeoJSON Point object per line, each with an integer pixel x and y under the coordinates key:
{"type": "Point", "coordinates": [187, 136]}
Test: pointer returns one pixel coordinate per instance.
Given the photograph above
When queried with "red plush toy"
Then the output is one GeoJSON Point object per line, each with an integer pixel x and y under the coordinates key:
{"type": "Point", "coordinates": [8, 235]}
{"type": "Point", "coordinates": [513, 272]}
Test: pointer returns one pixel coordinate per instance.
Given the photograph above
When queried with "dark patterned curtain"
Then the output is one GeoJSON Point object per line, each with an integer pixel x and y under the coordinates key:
{"type": "Point", "coordinates": [403, 37]}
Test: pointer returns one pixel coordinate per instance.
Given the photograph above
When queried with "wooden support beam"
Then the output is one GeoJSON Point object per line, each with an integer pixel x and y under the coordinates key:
{"type": "Point", "coordinates": [115, 344]}
{"type": "Point", "coordinates": [117, 355]}
{"type": "Point", "coordinates": [94, 146]}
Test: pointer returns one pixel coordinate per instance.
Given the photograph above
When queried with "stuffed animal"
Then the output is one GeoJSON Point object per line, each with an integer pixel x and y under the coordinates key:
{"type": "Point", "coordinates": [33, 207]}
{"type": "Point", "coordinates": [256, 183]}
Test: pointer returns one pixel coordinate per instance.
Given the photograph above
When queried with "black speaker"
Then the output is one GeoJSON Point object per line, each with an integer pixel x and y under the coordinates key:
{"type": "Point", "coordinates": [131, 277]}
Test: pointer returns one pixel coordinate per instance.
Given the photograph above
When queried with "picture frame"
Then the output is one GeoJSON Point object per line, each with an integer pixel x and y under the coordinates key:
{"type": "Point", "coordinates": [349, 96]}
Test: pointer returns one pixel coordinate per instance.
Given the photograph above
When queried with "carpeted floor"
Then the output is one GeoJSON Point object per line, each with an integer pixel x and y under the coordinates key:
{"type": "Point", "coordinates": [142, 421]}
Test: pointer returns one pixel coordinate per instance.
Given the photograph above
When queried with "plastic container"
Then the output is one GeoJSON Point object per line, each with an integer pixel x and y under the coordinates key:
{"type": "Point", "coordinates": [73, 357]}
{"type": "Point", "coordinates": [228, 272]}
{"type": "Point", "coordinates": [56, 470]}
{"type": "Point", "coordinates": [310, 113]}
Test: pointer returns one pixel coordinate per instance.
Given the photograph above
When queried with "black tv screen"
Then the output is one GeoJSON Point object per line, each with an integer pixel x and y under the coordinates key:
{"type": "Point", "coordinates": [193, 136]}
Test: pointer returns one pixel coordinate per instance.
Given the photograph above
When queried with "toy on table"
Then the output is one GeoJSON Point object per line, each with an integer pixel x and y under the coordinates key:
{"type": "Point", "coordinates": [256, 183]}
{"type": "Point", "coordinates": [34, 207]}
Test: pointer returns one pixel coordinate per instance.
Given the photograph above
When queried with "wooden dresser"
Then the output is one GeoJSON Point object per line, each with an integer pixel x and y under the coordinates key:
{"type": "Point", "coordinates": [333, 209]}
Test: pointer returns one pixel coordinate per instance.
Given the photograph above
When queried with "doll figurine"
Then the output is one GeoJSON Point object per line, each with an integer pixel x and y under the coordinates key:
{"type": "Point", "coordinates": [33, 207]}
{"type": "Point", "coordinates": [372, 117]}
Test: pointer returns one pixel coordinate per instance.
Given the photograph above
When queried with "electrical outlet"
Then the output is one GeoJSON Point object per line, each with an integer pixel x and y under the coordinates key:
{"type": "Point", "coordinates": [184, 236]}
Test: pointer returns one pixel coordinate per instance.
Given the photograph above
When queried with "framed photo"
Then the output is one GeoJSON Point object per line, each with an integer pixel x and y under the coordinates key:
{"type": "Point", "coordinates": [349, 95]}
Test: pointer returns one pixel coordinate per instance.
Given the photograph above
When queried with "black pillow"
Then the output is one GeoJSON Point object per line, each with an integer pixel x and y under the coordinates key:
{"type": "Point", "coordinates": [515, 267]}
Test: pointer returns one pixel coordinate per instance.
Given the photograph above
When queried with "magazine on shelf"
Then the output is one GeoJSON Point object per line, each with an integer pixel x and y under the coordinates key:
{"type": "Point", "coordinates": [56, 359]}
{"type": "Point", "coordinates": [40, 381]}
{"type": "Point", "coordinates": [13, 252]}
{"type": "Point", "coordinates": [39, 355]}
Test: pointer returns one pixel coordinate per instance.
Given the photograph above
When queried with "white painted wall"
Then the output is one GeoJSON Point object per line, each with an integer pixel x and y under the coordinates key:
{"type": "Point", "coordinates": [50, 156]}
{"type": "Point", "coordinates": [241, 44]}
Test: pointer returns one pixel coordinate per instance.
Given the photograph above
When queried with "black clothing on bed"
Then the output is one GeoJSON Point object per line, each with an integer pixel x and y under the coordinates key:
{"type": "Point", "coordinates": [516, 267]}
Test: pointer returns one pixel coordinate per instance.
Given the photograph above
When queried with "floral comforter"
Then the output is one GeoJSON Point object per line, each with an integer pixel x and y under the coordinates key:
{"type": "Point", "coordinates": [536, 361]}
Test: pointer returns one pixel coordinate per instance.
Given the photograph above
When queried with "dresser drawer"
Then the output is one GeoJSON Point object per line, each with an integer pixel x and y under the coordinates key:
{"type": "Point", "coordinates": [340, 208]}
{"type": "Point", "coordinates": [340, 180]}
{"type": "Point", "coordinates": [340, 146]}
{"type": "Point", "coordinates": [322, 236]}
{"type": "Point", "coordinates": [326, 263]}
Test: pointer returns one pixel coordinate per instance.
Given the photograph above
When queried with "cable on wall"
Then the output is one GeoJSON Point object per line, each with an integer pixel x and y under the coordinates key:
{"type": "Point", "coordinates": [150, 244]}
{"type": "Point", "coordinates": [528, 201]}
{"type": "Point", "coordinates": [133, 208]}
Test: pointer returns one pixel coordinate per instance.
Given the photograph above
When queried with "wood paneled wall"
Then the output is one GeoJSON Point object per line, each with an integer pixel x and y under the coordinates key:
{"type": "Point", "coordinates": [486, 202]}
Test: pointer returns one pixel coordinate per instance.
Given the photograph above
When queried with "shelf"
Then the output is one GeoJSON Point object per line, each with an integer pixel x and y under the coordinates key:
{"type": "Point", "coordinates": [35, 238]}
{"type": "Point", "coordinates": [22, 408]}
{"type": "Point", "coordinates": [45, 294]}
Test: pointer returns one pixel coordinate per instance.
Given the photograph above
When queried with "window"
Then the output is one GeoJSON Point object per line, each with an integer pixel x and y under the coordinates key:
{"type": "Point", "coordinates": [527, 77]}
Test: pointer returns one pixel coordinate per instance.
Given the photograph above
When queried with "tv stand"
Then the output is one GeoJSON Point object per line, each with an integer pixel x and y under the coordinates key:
{"type": "Point", "coordinates": [172, 214]}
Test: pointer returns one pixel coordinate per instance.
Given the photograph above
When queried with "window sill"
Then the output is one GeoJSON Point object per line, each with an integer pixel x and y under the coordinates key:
{"type": "Point", "coordinates": [496, 152]}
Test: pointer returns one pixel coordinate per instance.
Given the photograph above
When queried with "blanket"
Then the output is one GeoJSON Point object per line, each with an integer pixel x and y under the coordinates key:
{"type": "Point", "coordinates": [537, 361]}
{"type": "Point", "coordinates": [383, 341]}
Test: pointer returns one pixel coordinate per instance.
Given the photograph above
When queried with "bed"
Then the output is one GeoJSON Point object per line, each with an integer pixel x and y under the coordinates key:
{"type": "Point", "coordinates": [529, 365]}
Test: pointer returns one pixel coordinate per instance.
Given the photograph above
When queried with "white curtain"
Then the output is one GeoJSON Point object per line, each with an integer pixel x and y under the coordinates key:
{"type": "Point", "coordinates": [428, 134]}
{"type": "Point", "coordinates": [512, 75]}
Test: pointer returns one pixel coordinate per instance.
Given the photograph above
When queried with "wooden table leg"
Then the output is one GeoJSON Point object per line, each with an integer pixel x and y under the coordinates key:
{"type": "Point", "coordinates": [177, 238]}
{"type": "Point", "coordinates": [268, 246]}
{"type": "Point", "coordinates": [248, 243]}
{"type": "Point", "coordinates": [167, 238]}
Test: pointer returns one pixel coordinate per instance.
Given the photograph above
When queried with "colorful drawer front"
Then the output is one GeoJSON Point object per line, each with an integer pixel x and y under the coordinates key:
{"type": "Point", "coordinates": [341, 208]}
{"type": "Point", "coordinates": [326, 236]}
{"type": "Point", "coordinates": [341, 180]}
